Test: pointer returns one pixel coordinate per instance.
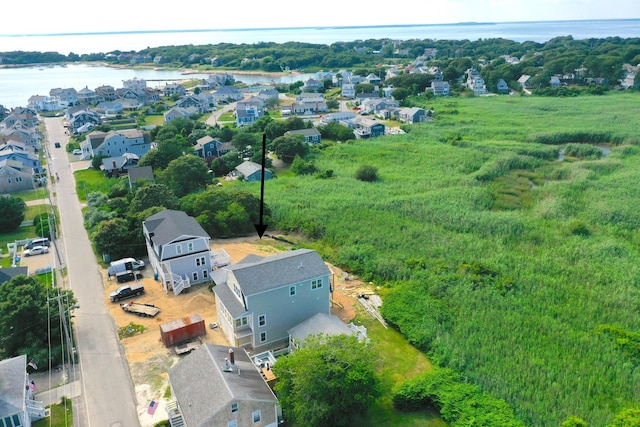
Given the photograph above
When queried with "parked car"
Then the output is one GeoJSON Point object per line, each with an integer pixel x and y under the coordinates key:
{"type": "Point", "coordinates": [38, 241]}
{"type": "Point", "coordinates": [36, 250]}
{"type": "Point", "coordinates": [57, 144]}
{"type": "Point", "coordinates": [128, 276]}
{"type": "Point", "coordinates": [77, 152]}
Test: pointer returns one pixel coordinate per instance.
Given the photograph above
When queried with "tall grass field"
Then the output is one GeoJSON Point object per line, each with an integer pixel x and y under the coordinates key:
{"type": "Point", "coordinates": [504, 236]}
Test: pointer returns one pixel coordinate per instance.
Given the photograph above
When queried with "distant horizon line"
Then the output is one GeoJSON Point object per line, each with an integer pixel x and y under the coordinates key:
{"type": "Point", "coordinates": [325, 27]}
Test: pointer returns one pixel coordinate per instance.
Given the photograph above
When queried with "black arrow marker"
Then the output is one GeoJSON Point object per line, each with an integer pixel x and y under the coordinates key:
{"type": "Point", "coordinates": [261, 227]}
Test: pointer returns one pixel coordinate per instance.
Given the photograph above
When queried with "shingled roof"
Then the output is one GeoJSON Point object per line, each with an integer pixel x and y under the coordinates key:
{"type": "Point", "coordinates": [204, 382]}
{"type": "Point", "coordinates": [168, 225]}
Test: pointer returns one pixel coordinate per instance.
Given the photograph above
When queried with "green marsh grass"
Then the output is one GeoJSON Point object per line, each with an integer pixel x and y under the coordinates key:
{"type": "Point", "coordinates": [474, 188]}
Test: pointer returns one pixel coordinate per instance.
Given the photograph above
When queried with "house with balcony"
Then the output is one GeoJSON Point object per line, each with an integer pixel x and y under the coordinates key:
{"type": "Point", "coordinates": [87, 96]}
{"type": "Point", "coordinates": [116, 143]}
{"type": "Point", "coordinates": [64, 97]}
{"type": "Point", "coordinates": [83, 117]}
{"type": "Point", "coordinates": [440, 87]}
{"type": "Point", "coordinates": [105, 93]}
{"type": "Point", "coordinates": [348, 90]}
{"type": "Point", "coordinates": [259, 299]}
{"type": "Point", "coordinates": [17, 406]}
{"type": "Point", "coordinates": [171, 89]}
{"type": "Point", "coordinates": [42, 103]}
{"type": "Point", "coordinates": [178, 249]}
{"type": "Point", "coordinates": [20, 169]}
{"type": "Point", "coordinates": [220, 386]}
{"type": "Point", "coordinates": [367, 128]}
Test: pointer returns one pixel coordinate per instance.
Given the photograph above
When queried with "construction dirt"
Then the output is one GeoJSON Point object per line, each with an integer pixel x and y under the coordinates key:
{"type": "Point", "coordinates": [148, 358]}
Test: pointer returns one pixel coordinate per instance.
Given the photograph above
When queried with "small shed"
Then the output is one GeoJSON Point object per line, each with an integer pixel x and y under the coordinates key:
{"type": "Point", "coordinates": [181, 330]}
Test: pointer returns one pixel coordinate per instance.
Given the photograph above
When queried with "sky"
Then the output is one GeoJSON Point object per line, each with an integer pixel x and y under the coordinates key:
{"type": "Point", "coordinates": [80, 16]}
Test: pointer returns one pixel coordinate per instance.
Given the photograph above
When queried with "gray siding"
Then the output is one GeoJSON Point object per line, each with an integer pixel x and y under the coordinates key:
{"type": "Point", "coordinates": [284, 311]}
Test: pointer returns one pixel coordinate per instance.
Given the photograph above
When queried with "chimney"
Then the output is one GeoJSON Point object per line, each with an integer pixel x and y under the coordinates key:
{"type": "Point", "coordinates": [232, 358]}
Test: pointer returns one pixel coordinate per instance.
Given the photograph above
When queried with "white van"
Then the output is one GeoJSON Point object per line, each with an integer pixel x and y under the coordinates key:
{"type": "Point", "coordinates": [39, 241]}
{"type": "Point", "coordinates": [125, 264]}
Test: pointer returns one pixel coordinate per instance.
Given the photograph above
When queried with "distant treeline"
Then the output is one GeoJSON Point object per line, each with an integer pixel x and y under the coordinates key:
{"type": "Point", "coordinates": [595, 58]}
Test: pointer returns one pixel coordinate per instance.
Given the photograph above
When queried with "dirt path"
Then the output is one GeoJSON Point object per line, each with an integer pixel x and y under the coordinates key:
{"type": "Point", "coordinates": [149, 360]}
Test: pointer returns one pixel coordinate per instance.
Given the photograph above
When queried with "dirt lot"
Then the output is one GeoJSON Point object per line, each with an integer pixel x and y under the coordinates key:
{"type": "Point", "coordinates": [149, 360]}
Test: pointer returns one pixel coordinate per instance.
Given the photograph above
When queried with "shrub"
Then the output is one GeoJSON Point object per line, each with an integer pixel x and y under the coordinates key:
{"type": "Point", "coordinates": [367, 173]}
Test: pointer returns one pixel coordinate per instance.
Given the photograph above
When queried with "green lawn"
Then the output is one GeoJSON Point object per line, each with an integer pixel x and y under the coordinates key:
{"type": "Point", "coordinates": [61, 416]}
{"type": "Point", "coordinates": [398, 361]}
{"type": "Point", "coordinates": [90, 180]}
{"type": "Point", "coordinates": [29, 195]}
{"type": "Point", "coordinates": [154, 120]}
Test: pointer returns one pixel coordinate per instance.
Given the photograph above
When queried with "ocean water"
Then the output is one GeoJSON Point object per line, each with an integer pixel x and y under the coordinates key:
{"type": "Point", "coordinates": [18, 85]}
{"type": "Point", "coordinates": [136, 41]}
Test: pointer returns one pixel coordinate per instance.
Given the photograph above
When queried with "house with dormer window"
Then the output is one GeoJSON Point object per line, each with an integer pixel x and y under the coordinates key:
{"type": "Point", "coordinates": [260, 298]}
{"type": "Point", "coordinates": [178, 249]}
{"type": "Point", "coordinates": [221, 386]}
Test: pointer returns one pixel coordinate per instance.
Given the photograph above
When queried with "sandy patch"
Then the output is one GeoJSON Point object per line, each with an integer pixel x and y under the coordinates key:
{"type": "Point", "coordinates": [149, 360]}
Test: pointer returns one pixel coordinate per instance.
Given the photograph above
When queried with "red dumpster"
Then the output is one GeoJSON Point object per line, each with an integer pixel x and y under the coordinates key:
{"type": "Point", "coordinates": [182, 330]}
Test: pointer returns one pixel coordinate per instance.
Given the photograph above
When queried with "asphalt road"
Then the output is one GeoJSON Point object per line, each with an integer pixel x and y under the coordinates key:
{"type": "Point", "coordinates": [108, 397]}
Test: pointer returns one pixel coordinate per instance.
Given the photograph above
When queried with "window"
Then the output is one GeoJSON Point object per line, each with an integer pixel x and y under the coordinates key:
{"type": "Point", "coordinates": [262, 320]}
{"type": "Point", "coordinates": [199, 261]}
{"type": "Point", "coordinates": [179, 249]}
{"type": "Point", "coordinates": [190, 247]}
{"type": "Point", "coordinates": [316, 284]}
{"type": "Point", "coordinates": [18, 179]}
{"type": "Point", "coordinates": [205, 274]}
{"type": "Point", "coordinates": [292, 291]}
{"type": "Point", "coordinates": [195, 276]}
{"type": "Point", "coordinates": [234, 408]}
{"type": "Point", "coordinates": [263, 336]}
{"type": "Point", "coordinates": [232, 423]}
{"type": "Point", "coordinates": [9, 180]}
{"type": "Point", "coordinates": [241, 322]}
{"type": "Point", "coordinates": [257, 416]}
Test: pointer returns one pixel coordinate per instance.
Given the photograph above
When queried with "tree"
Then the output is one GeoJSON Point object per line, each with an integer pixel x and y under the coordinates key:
{"type": "Point", "coordinates": [243, 140]}
{"type": "Point", "coordinates": [11, 213]}
{"type": "Point", "coordinates": [186, 174]}
{"type": "Point", "coordinates": [289, 146]}
{"type": "Point", "coordinates": [327, 382]}
{"type": "Point", "coordinates": [27, 309]}
{"type": "Point", "coordinates": [336, 131]}
{"type": "Point", "coordinates": [275, 129]}
{"type": "Point", "coordinates": [153, 195]}
{"type": "Point", "coordinates": [96, 161]}
{"type": "Point", "coordinates": [113, 237]}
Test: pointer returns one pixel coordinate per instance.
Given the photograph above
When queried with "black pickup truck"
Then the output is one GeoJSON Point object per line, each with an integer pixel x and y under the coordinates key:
{"type": "Point", "coordinates": [126, 291]}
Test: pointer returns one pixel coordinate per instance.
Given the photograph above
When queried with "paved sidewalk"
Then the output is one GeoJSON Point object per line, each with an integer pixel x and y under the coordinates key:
{"type": "Point", "coordinates": [55, 384]}
{"type": "Point", "coordinates": [54, 396]}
